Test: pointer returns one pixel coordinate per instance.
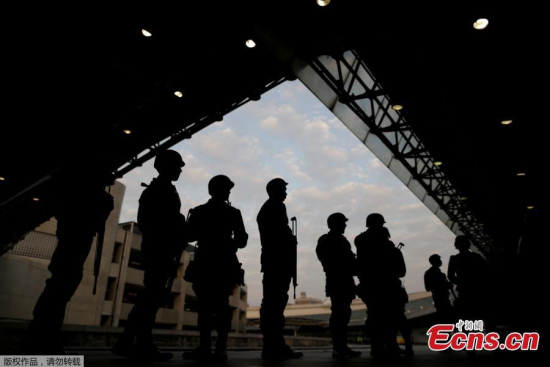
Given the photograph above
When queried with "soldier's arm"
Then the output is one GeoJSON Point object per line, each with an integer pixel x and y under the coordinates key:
{"type": "Point", "coordinates": [401, 267]}
{"type": "Point", "coordinates": [357, 241]}
{"type": "Point", "coordinates": [144, 212]}
{"type": "Point", "coordinates": [427, 283]}
{"type": "Point", "coordinates": [451, 271]}
{"type": "Point", "coordinates": [241, 237]}
{"type": "Point", "coordinates": [320, 251]}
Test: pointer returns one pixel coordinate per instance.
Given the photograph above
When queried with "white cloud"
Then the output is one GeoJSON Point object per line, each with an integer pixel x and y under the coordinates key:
{"type": "Point", "coordinates": [327, 168]}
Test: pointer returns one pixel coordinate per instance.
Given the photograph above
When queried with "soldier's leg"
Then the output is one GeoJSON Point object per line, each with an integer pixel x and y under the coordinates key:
{"type": "Point", "coordinates": [153, 296]}
{"type": "Point", "coordinates": [205, 312]}
{"type": "Point", "coordinates": [373, 326]}
{"type": "Point", "coordinates": [339, 319]}
{"type": "Point", "coordinates": [275, 298]}
{"type": "Point", "coordinates": [406, 332]}
{"type": "Point", "coordinates": [66, 268]}
{"type": "Point", "coordinates": [391, 315]}
{"type": "Point", "coordinates": [223, 313]}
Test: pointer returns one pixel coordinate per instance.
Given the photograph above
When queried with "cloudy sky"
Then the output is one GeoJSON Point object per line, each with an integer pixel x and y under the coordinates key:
{"type": "Point", "coordinates": [290, 134]}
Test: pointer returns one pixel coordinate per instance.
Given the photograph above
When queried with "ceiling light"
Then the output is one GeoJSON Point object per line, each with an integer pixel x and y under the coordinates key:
{"type": "Point", "coordinates": [522, 174]}
{"type": "Point", "coordinates": [506, 122]}
{"type": "Point", "coordinates": [146, 33]}
{"type": "Point", "coordinates": [35, 199]}
{"type": "Point", "coordinates": [2, 179]}
{"type": "Point", "coordinates": [438, 163]}
{"type": "Point", "coordinates": [481, 24]}
{"type": "Point", "coordinates": [127, 131]}
{"type": "Point", "coordinates": [250, 44]}
{"type": "Point", "coordinates": [323, 2]}
{"type": "Point", "coordinates": [178, 94]}
{"type": "Point", "coordinates": [530, 207]}
{"type": "Point", "coordinates": [463, 198]}
{"type": "Point", "coordinates": [397, 107]}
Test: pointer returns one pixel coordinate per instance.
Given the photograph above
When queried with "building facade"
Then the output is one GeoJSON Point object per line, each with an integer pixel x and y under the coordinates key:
{"type": "Point", "coordinates": [24, 271]}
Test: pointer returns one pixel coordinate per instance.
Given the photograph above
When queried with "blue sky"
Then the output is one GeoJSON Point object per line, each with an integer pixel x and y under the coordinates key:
{"type": "Point", "coordinates": [290, 134]}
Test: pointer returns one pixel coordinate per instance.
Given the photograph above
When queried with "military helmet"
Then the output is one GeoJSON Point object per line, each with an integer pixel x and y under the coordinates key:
{"type": "Point", "coordinates": [375, 219]}
{"type": "Point", "coordinates": [336, 218]}
{"type": "Point", "coordinates": [462, 241]}
{"type": "Point", "coordinates": [218, 183]}
{"type": "Point", "coordinates": [435, 258]}
{"type": "Point", "coordinates": [275, 184]}
{"type": "Point", "coordinates": [168, 158]}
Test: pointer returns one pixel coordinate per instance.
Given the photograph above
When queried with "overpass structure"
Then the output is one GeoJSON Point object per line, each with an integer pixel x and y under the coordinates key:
{"type": "Point", "coordinates": [452, 110]}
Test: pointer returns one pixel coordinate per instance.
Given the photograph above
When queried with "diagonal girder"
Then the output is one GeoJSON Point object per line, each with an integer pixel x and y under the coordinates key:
{"type": "Point", "coordinates": [347, 87]}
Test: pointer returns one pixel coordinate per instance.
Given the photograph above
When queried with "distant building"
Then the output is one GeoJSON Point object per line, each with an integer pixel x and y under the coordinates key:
{"type": "Point", "coordinates": [310, 316]}
{"type": "Point", "coordinates": [24, 270]}
{"type": "Point", "coordinates": [304, 300]}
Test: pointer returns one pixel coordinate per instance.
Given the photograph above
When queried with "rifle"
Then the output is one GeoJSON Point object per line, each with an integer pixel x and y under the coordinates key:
{"type": "Point", "coordinates": [295, 274]}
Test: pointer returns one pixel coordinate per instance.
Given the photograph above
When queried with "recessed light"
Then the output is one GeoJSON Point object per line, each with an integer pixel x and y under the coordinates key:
{"type": "Point", "coordinates": [438, 163]}
{"type": "Point", "coordinates": [250, 44]}
{"type": "Point", "coordinates": [463, 198]}
{"type": "Point", "coordinates": [481, 24]}
{"type": "Point", "coordinates": [2, 179]}
{"type": "Point", "coordinates": [35, 199]}
{"type": "Point", "coordinates": [323, 2]}
{"type": "Point", "coordinates": [397, 107]}
{"type": "Point", "coordinates": [146, 33]}
{"type": "Point", "coordinates": [506, 122]}
{"type": "Point", "coordinates": [127, 131]}
{"type": "Point", "coordinates": [530, 207]}
{"type": "Point", "coordinates": [522, 174]}
{"type": "Point", "coordinates": [178, 94]}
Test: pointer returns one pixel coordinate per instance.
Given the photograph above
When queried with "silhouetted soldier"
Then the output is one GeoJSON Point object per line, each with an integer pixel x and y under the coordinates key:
{"type": "Point", "coordinates": [219, 231]}
{"type": "Point", "coordinates": [82, 207]}
{"type": "Point", "coordinates": [381, 265]}
{"type": "Point", "coordinates": [469, 271]}
{"type": "Point", "coordinates": [436, 282]}
{"type": "Point", "coordinates": [164, 239]}
{"type": "Point", "coordinates": [339, 265]}
{"type": "Point", "coordinates": [278, 251]}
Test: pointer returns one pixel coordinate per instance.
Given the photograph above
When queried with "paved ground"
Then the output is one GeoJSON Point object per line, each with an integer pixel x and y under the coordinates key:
{"type": "Point", "coordinates": [322, 358]}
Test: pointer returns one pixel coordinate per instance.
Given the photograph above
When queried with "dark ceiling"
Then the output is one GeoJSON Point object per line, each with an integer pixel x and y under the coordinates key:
{"type": "Point", "coordinates": [77, 78]}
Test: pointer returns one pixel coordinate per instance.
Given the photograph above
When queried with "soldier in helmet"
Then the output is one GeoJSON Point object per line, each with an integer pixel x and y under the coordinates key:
{"type": "Point", "coordinates": [219, 231]}
{"type": "Point", "coordinates": [81, 208]}
{"type": "Point", "coordinates": [164, 238]}
{"type": "Point", "coordinates": [381, 265]}
{"type": "Point", "coordinates": [436, 282]}
{"type": "Point", "coordinates": [339, 265]}
{"type": "Point", "coordinates": [278, 248]}
{"type": "Point", "coordinates": [469, 271]}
